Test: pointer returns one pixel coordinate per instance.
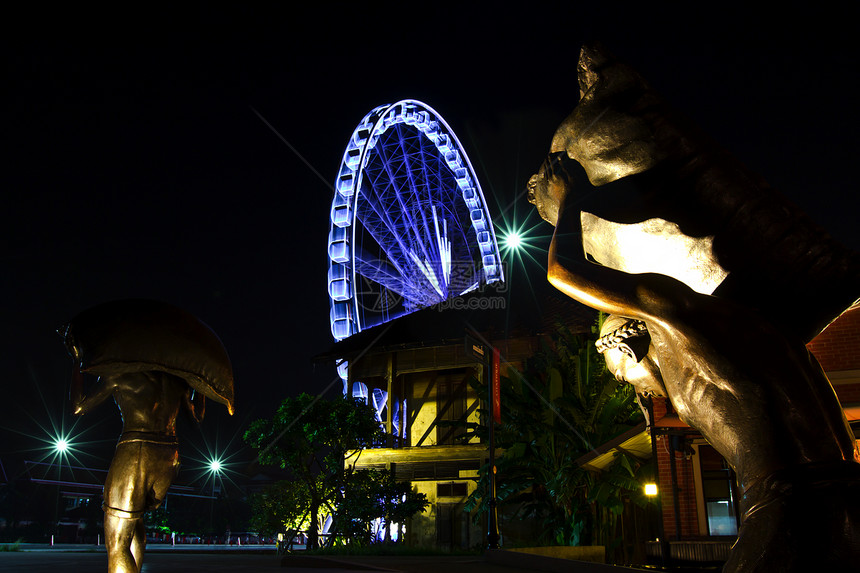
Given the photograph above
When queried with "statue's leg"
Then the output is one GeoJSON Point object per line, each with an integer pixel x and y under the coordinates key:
{"type": "Point", "coordinates": [138, 543]}
{"type": "Point", "coordinates": [119, 533]}
{"type": "Point", "coordinates": [124, 503]}
{"type": "Point", "coordinates": [803, 519]}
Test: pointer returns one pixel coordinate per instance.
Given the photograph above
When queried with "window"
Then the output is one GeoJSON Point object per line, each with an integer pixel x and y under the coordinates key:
{"type": "Point", "coordinates": [718, 487]}
{"type": "Point", "coordinates": [450, 406]}
{"type": "Point", "coordinates": [457, 489]}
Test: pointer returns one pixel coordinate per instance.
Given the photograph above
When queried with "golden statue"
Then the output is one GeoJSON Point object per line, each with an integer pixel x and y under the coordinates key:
{"type": "Point", "coordinates": [154, 360]}
{"type": "Point", "coordinates": [733, 363]}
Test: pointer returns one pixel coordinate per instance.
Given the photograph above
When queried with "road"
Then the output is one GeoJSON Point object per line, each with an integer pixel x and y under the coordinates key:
{"type": "Point", "coordinates": [191, 559]}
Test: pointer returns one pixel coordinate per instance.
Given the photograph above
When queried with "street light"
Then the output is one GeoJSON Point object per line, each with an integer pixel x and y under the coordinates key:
{"type": "Point", "coordinates": [62, 447]}
{"type": "Point", "coordinates": [216, 468]}
{"type": "Point", "coordinates": [513, 240]}
{"type": "Point", "coordinates": [519, 241]}
{"type": "Point", "coordinates": [59, 444]}
{"type": "Point", "coordinates": [216, 471]}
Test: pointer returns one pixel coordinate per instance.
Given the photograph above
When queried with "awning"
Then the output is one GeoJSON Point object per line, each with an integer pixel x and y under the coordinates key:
{"type": "Point", "coordinates": [635, 442]}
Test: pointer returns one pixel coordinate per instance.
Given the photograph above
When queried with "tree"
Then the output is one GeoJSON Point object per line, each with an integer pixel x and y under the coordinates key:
{"type": "Point", "coordinates": [376, 497]}
{"type": "Point", "coordinates": [281, 506]}
{"type": "Point", "coordinates": [319, 441]}
{"type": "Point", "coordinates": [562, 406]}
{"type": "Point", "coordinates": [156, 521]}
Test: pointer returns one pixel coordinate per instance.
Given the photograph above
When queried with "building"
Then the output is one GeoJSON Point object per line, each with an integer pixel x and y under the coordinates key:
{"type": "Point", "coordinates": [51, 501]}
{"type": "Point", "coordinates": [416, 372]}
{"type": "Point", "coordinates": [44, 502]}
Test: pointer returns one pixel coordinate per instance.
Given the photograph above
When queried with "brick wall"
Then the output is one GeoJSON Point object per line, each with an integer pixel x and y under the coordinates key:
{"type": "Point", "coordinates": [838, 351]}
{"type": "Point", "coordinates": [685, 483]}
{"type": "Point", "coordinates": [838, 347]}
{"type": "Point", "coordinates": [686, 491]}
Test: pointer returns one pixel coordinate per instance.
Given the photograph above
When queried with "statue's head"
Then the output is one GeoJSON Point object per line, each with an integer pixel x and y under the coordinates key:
{"type": "Point", "coordinates": [624, 343]}
{"type": "Point", "coordinates": [609, 135]}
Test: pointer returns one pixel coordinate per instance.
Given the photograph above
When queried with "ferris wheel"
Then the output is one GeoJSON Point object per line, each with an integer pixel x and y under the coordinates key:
{"type": "Point", "coordinates": [409, 224]}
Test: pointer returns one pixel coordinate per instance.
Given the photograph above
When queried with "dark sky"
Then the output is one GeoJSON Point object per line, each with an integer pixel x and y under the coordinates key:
{"type": "Point", "coordinates": [136, 166]}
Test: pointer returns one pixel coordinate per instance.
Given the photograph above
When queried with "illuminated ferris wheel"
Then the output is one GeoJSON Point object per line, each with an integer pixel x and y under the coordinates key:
{"type": "Point", "coordinates": [409, 225]}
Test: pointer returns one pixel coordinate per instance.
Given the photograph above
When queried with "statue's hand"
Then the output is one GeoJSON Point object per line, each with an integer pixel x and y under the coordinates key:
{"type": "Point", "coordinates": [195, 404]}
{"type": "Point", "coordinates": [76, 390]}
{"type": "Point", "coordinates": [200, 408]}
{"type": "Point", "coordinates": [550, 185]}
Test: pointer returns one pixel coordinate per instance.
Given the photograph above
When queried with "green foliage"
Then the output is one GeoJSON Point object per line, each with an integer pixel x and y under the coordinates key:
{"type": "Point", "coordinates": [281, 507]}
{"type": "Point", "coordinates": [308, 434]}
{"type": "Point", "coordinates": [563, 406]}
{"type": "Point", "coordinates": [156, 520]}
{"type": "Point", "coordinates": [319, 442]}
{"type": "Point", "coordinates": [372, 494]}
{"type": "Point", "coordinates": [11, 546]}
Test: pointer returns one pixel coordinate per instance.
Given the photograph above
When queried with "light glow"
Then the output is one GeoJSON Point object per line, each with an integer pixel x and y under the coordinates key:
{"type": "Point", "coordinates": [60, 448]}
{"type": "Point", "coordinates": [523, 241]}
{"type": "Point", "coordinates": [650, 489]}
{"type": "Point", "coordinates": [653, 246]}
{"type": "Point", "coordinates": [59, 442]}
{"type": "Point", "coordinates": [513, 240]}
{"type": "Point", "coordinates": [215, 463]}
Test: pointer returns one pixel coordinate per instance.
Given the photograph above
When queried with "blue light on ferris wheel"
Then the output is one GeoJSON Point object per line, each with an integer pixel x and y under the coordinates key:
{"type": "Point", "coordinates": [409, 224]}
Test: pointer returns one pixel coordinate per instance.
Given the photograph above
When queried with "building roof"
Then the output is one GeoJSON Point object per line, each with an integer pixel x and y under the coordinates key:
{"type": "Point", "coordinates": [493, 312]}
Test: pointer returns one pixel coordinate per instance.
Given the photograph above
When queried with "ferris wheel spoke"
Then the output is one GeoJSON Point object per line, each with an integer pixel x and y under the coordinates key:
{"type": "Point", "coordinates": [383, 273]}
{"type": "Point", "coordinates": [405, 209]}
{"type": "Point", "coordinates": [427, 270]}
{"type": "Point", "coordinates": [413, 183]}
{"type": "Point", "coordinates": [387, 233]}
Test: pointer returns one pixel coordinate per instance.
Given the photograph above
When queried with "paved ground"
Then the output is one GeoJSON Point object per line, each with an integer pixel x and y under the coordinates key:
{"type": "Point", "coordinates": [65, 562]}
{"type": "Point", "coordinates": [165, 559]}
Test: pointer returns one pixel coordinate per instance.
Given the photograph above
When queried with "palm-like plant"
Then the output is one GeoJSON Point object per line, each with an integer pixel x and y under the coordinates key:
{"type": "Point", "coordinates": [562, 406]}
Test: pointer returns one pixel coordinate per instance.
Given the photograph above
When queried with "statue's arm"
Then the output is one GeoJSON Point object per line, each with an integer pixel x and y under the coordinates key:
{"type": "Point", "coordinates": [82, 403]}
{"type": "Point", "coordinates": [642, 296]}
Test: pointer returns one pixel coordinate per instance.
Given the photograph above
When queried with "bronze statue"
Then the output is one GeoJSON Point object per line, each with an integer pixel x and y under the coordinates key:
{"type": "Point", "coordinates": [153, 359]}
{"type": "Point", "coordinates": [733, 364]}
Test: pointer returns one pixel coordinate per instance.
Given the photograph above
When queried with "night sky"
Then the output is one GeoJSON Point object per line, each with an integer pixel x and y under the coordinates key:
{"type": "Point", "coordinates": [135, 163]}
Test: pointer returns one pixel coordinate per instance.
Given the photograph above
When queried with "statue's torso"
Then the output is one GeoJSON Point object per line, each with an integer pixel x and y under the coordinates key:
{"type": "Point", "coordinates": [763, 402]}
{"type": "Point", "coordinates": [149, 401]}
